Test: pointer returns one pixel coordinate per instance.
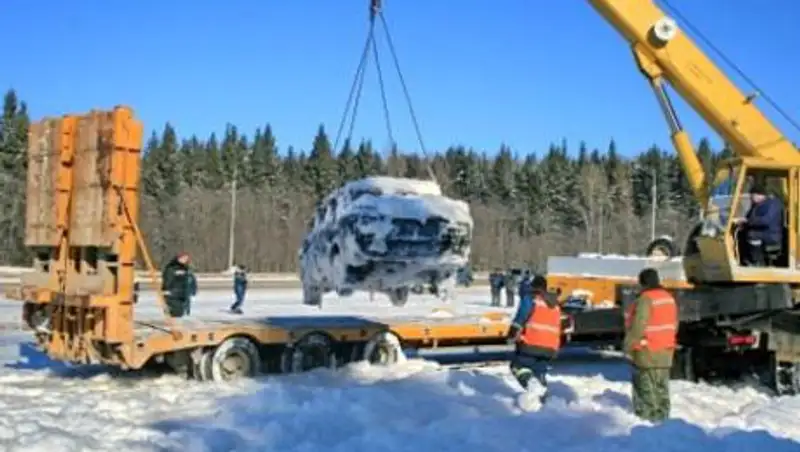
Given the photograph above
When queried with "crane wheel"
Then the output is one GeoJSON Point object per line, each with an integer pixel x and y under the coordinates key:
{"type": "Point", "coordinates": [310, 352]}
{"type": "Point", "coordinates": [237, 357]}
{"type": "Point", "coordinates": [787, 378]}
{"type": "Point", "coordinates": [661, 248]}
{"type": "Point", "coordinates": [384, 349]}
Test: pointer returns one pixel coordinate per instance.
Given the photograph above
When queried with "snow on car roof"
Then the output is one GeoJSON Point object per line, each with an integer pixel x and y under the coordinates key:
{"type": "Point", "coordinates": [390, 185]}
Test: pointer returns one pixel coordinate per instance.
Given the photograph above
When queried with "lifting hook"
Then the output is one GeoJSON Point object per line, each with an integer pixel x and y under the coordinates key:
{"type": "Point", "coordinates": [374, 8]}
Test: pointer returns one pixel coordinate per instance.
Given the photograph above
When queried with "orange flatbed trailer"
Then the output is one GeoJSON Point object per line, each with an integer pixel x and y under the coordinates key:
{"type": "Point", "coordinates": [80, 300]}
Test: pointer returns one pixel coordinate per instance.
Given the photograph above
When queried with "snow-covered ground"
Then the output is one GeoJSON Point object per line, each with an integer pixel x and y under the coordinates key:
{"type": "Point", "coordinates": [414, 406]}
{"type": "Point", "coordinates": [209, 305]}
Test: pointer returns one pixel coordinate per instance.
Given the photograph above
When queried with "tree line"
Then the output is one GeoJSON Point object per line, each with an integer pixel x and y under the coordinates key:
{"type": "Point", "coordinates": [565, 199]}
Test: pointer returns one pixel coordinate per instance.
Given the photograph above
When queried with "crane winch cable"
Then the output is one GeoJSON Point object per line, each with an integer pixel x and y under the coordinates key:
{"type": "Point", "coordinates": [376, 11]}
{"type": "Point", "coordinates": [722, 56]}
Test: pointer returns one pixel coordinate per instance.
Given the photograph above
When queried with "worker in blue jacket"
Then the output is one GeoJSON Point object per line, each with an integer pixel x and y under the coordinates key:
{"type": "Point", "coordinates": [536, 333]}
{"type": "Point", "coordinates": [239, 288]}
{"type": "Point", "coordinates": [763, 226]}
{"type": "Point", "coordinates": [525, 286]}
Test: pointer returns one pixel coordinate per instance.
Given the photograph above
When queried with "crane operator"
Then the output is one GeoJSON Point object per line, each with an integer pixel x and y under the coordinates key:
{"type": "Point", "coordinates": [762, 226]}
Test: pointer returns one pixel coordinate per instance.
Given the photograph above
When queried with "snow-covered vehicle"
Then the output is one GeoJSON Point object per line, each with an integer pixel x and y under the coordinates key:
{"type": "Point", "coordinates": [384, 234]}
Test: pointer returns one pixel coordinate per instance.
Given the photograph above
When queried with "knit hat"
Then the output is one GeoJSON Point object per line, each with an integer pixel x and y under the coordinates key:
{"type": "Point", "coordinates": [648, 278]}
{"type": "Point", "coordinates": [539, 283]}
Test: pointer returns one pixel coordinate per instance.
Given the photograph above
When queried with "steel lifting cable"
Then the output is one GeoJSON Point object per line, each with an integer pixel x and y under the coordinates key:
{"type": "Point", "coordinates": [402, 79]}
{"type": "Point", "coordinates": [696, 31]}
{"type": "Point", "coordinates": [358, 83]}
{"type": "Point", "coordinates": [355, 88]}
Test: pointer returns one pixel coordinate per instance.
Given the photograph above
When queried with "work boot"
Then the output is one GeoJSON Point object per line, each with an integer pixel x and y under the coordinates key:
{"type": "Point", "coordinates": [533, 397]}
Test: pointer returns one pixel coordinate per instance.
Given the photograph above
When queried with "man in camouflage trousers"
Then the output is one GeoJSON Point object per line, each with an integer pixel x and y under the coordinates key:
{"type": "Point", "coordinates": [651, 325]}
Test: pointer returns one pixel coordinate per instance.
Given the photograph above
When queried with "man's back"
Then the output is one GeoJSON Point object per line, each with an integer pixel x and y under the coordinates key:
{"type": "Point", "coordinates": [176, 279]}
{"type": "Point", "coordinates": [765, 220]}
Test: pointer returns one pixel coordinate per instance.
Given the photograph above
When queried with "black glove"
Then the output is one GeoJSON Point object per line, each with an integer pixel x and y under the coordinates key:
{"type": "Point", "coordinates": [513, 332]}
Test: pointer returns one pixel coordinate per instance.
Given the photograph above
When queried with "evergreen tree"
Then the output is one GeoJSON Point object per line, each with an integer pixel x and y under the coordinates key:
{"type": "Point", "coordinates": [525, 208]}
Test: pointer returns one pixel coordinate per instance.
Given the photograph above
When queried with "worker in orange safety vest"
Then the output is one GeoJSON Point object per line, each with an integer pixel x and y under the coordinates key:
{"type": "Point", "coordinates": [536, 334]}
{"type": "Point", "coordinates": [651, 326]}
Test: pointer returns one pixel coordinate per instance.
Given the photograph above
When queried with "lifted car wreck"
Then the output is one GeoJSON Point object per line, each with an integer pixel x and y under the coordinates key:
{"type": "Point", "coordinates": [384, 234]}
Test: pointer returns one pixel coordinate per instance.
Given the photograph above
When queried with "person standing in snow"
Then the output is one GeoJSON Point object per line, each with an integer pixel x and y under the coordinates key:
{"type": "Point", "coordinates": [536, 333]}
{"type": "Point", "coordinates": [239, 288]}
{"type": "Point", "coordinates": [511, 281]}
{"type": "Point", "coordinates": [178, 284]}
{"type": "Point", "coordinates": [651, 327]}
{"type": "Point", "coordinates": [496, 282]}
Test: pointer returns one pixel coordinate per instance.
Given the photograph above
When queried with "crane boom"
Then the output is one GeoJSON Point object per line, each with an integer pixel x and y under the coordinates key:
{"type": "Point", "coordinates": [663, 52]}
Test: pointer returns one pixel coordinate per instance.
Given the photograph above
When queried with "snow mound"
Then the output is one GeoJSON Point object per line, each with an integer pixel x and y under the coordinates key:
{"type": "Point", "coordinates": [417, 405]}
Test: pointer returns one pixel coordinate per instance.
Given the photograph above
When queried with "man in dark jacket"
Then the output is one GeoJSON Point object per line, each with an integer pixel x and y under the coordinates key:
{"type": "Point", "coordinates": [763, 226]}
{"type": "Point", "coordinates": [496, 282]}
{"type": "Point", "coordinates": [179, 285]}
{"type": "Point", "coordinates": [239, 288]}
{"type": "Point", "coordinates": [536, 332]}
{"type": "Point", "coordinates": [511, 282]}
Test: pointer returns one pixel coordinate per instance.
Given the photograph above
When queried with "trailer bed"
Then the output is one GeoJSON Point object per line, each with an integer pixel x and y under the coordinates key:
{"type": "Point", "coordinates": [416, 327]}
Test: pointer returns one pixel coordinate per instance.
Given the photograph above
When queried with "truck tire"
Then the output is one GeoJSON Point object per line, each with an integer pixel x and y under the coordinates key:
{"type": "Point", "coordinates": [310, 352]}
{"type": "Point", "coordinates": [312, 296]}
{"type": "Point", "coordinates": [787, 379]}
{"type": "Point", "coordinates": [398, 297]}
{"type": "Point", "coordinates": [202, 365]}
{"type": "Point", "coordinates": [662, 247]}
{"type": "Point", "coordinates": [384, 349]}
{"type": "Point", "coordinates": [236, 357]}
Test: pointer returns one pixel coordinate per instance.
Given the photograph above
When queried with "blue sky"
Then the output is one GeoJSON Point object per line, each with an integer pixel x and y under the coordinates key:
{"type": "Point", "coordinates": [522, 72]}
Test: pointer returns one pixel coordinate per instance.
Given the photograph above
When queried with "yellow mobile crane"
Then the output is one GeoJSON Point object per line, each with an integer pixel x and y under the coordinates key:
{"type": "Point", "coordinates": [664, 53]}
{"type": "Point", "coordinates": [734, 316]}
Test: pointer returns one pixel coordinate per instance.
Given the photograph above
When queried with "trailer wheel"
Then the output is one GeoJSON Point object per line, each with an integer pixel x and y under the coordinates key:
{"type": "Point", "coordinates": [312, 351]}
{"type": "Point", "coordinates": [235, 358]}
{"type": "Point", "coordinates": [384, 349]}
{"type": "Point", "coordinates": [202, 365]}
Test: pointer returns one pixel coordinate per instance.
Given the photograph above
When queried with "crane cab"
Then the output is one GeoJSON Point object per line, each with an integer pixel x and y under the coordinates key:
{"type": "Point", "coordinates": [719, 248]}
